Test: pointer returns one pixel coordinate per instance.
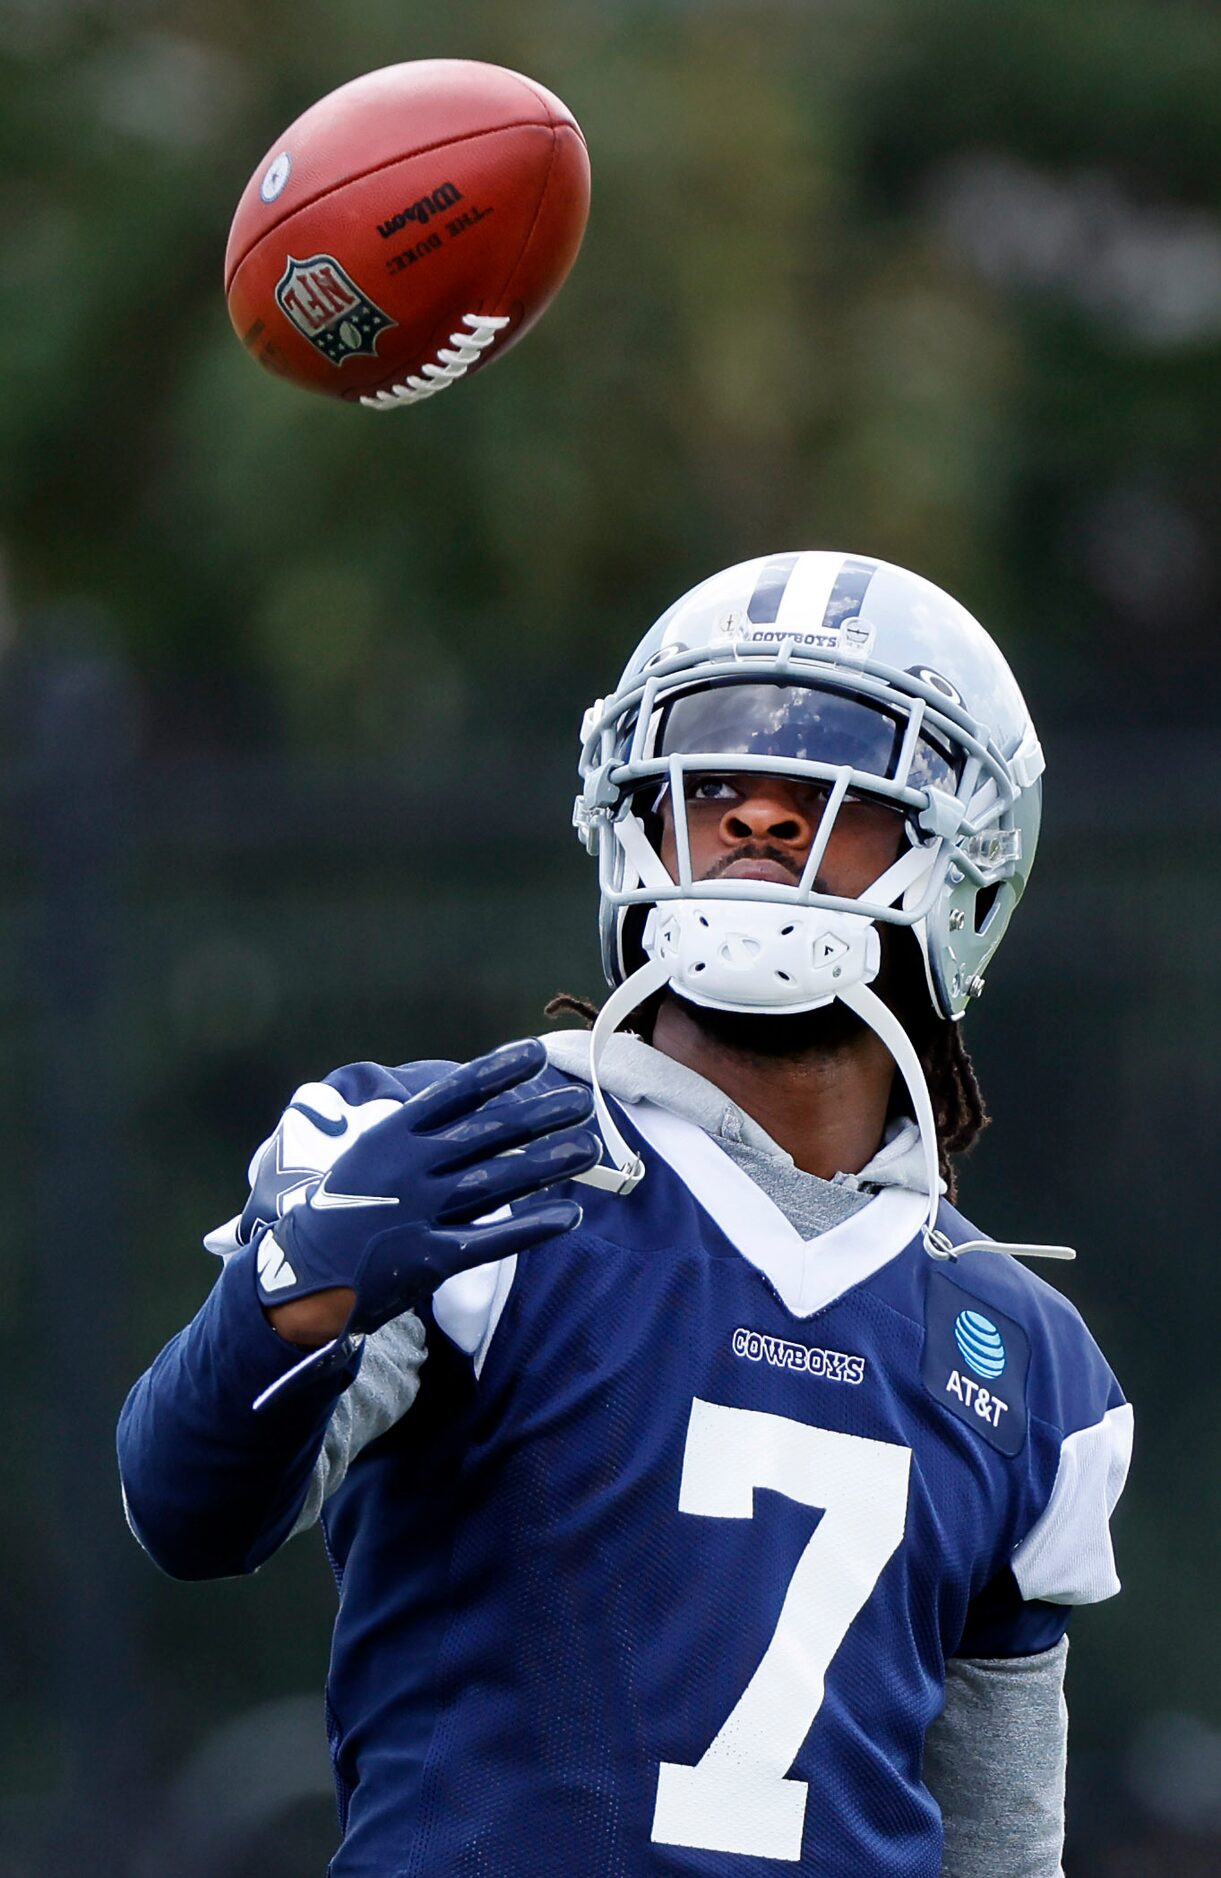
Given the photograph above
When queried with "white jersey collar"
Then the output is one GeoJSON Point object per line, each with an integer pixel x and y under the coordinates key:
{"type": "Point", "coordinates": [806, 1275]}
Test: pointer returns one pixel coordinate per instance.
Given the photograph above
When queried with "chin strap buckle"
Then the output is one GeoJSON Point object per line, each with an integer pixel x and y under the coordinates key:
{"type": "Point", "coordinates": [626, 1170]}
{"type": "Point", "coordinates": [1015, 1250]}
{"type": "Point", "coordinates": [614, 1179]}
{"type": "Point", "coordinates": [939, 1246]}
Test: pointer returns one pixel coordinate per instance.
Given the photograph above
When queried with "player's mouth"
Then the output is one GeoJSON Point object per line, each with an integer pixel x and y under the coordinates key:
{"type": "Point", "coordinates": [754, 869]}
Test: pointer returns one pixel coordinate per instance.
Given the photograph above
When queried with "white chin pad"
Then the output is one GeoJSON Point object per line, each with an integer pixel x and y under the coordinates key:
{"type": "Point", "coordinates": [742, 955]}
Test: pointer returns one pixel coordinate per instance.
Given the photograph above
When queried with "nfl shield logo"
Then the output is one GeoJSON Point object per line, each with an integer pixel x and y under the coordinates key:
{"type": "Point", "coordinates": [325, 304]}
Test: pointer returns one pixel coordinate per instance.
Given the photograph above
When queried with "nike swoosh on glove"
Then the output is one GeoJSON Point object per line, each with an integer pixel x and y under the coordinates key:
{"type": "Point", "coordinates": [320, 1123]}
{"type": "Point", "coordinates": [404, 1207]}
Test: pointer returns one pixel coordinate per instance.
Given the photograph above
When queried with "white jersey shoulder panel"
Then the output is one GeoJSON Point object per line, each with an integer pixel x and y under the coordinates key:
{"type": "Point", "coordinates": [468, 1306]}
{"type": "Point", "coordinates": [1066, 1557]}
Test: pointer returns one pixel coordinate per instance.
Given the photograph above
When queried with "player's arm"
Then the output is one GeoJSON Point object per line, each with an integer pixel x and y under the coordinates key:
{"type": "Point", "coordinates": [996, 1758]}
{"type": "Point", "coordinates": [218, 1440]}
{"type": "Point", "coordinates": [995, 1761]}
{"type": "Point", "coordinates": [210, 1484]}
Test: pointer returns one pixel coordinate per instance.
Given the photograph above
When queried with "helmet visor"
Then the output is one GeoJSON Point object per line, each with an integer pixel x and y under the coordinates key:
{"type": "Point", "coordinates": [809, 723]}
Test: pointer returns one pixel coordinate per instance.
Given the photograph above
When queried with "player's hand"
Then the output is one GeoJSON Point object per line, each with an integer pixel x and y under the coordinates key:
{"type": "Point", "coordinates": [395, 1215]}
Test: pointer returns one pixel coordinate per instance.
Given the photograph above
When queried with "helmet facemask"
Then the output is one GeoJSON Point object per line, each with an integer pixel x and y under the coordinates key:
{"type": "Point", "coordinates": [777, 945]}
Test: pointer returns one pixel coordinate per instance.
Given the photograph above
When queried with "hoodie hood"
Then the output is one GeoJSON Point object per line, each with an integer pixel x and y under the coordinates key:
{"type": "Point", "coordinates": [633, 1071]}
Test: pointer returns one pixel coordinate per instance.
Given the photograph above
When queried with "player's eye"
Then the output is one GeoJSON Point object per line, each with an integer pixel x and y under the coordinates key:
{"type": "Point", "coordinates": [709, 789]}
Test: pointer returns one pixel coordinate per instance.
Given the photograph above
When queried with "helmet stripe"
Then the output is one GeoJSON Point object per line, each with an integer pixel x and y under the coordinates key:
{"type": "Point", "coordinates": [769, 589]}
{"type": "Point", "coordinates": [848, 594]}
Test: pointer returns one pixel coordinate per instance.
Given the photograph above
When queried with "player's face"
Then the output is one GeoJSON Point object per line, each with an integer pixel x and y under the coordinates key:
{"type": "Point", "coordinates": [748, 826]}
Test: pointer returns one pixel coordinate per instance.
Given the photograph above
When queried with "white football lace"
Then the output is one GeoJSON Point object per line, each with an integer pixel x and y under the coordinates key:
{"type": "Point", "coordinates": [452, 363]}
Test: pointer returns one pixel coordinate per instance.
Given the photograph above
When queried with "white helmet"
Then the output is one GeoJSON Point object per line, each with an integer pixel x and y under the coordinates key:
{"type": "Point", "coordinates": [829, 668]}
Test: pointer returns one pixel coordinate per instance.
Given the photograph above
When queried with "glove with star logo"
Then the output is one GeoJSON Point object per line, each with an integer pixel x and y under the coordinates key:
{"type": "Point", "coordinates": [389, 1196]}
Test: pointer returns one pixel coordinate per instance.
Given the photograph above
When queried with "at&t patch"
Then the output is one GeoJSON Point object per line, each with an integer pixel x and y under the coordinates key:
{"type": "Point", "coordinates": [976, 1362]}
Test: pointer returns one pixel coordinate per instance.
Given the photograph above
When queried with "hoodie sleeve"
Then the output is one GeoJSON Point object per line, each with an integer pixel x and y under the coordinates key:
{"type": "Point", "coordinates": [223, 1442]}
{"type": "Point", "coordinates": [211, 1484]}
{"type": "Point", "coordinates": [995, 1761]}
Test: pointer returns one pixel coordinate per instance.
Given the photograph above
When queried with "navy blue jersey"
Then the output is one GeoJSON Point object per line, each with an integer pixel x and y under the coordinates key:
{"type": "Point", "coordinates": [661, 1571]}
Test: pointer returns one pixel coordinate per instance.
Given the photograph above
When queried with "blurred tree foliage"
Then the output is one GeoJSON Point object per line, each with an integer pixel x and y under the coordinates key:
{"type": "Point", "coordinates": [927, 278]}
{"type": "Point", "coordinates": [780, 331]}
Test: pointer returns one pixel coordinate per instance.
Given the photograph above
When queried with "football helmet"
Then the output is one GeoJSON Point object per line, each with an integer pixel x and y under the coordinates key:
{"type": "Point", "coordinates": [866, 680]}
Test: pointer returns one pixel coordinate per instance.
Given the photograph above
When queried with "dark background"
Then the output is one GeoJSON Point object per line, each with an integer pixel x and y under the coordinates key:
{"type": "Point", "coordinates": [290, 702]}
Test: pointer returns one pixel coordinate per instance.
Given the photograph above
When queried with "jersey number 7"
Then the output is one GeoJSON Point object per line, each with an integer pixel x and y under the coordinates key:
{"type": "Point", "coordinates": [737, 1798]}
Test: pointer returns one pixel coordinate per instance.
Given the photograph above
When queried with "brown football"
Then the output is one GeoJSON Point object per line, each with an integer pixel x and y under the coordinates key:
{"type": "Point", "coordinates": [406, 230]}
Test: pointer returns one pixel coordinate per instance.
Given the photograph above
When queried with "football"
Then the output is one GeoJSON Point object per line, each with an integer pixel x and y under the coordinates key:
{"type": "Point", "coordinates": [407, 230]}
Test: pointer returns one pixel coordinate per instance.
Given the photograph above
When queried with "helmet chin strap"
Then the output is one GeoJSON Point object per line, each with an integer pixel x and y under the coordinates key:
{"type": "Point", "coordinates": [626, 1170]}
{"type": "Point", "coordinates": [866, 1004]}
{"type": "Point", "coordinates": [882, 1021]}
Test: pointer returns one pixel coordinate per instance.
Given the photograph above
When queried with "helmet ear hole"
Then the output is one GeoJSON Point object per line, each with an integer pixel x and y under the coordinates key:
{"type": "Point", "coordinates": [631, 939]}
{"type": "Point", "coordinates": [985, 902]}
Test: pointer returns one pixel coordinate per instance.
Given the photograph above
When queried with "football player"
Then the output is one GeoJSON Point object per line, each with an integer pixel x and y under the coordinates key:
{"type": "Point", "coordinates": [734, 1523]}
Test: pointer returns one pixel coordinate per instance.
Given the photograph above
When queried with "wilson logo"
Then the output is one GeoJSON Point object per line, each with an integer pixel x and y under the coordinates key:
{"type": "Point", "coordinates": [831, 1365]}
{"type": "Point", "coordinates": [422, 212]}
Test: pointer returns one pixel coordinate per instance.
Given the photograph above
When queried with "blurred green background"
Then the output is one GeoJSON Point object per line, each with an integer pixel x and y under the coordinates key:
{"type": "Point", "coordinates": [291, 695]}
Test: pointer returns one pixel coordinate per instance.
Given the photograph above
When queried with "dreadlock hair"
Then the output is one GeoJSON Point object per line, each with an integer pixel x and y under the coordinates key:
{"type": "Point", "coordinates": [960, 1114]}
{"type": "Point", "coordinates": [568, 1004]}
{"type": "Point", "coordinates": [959, 1110]}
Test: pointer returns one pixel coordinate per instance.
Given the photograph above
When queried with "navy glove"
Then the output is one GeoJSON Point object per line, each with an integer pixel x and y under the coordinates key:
{"type": "Point", "coordinates": [320, 1123]}
{"type": "Point", "coordinates": [393, 1216]}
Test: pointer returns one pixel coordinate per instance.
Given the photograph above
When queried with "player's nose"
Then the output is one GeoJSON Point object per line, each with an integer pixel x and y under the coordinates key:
{"type": "Point", "coordinates": [771, 811]}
